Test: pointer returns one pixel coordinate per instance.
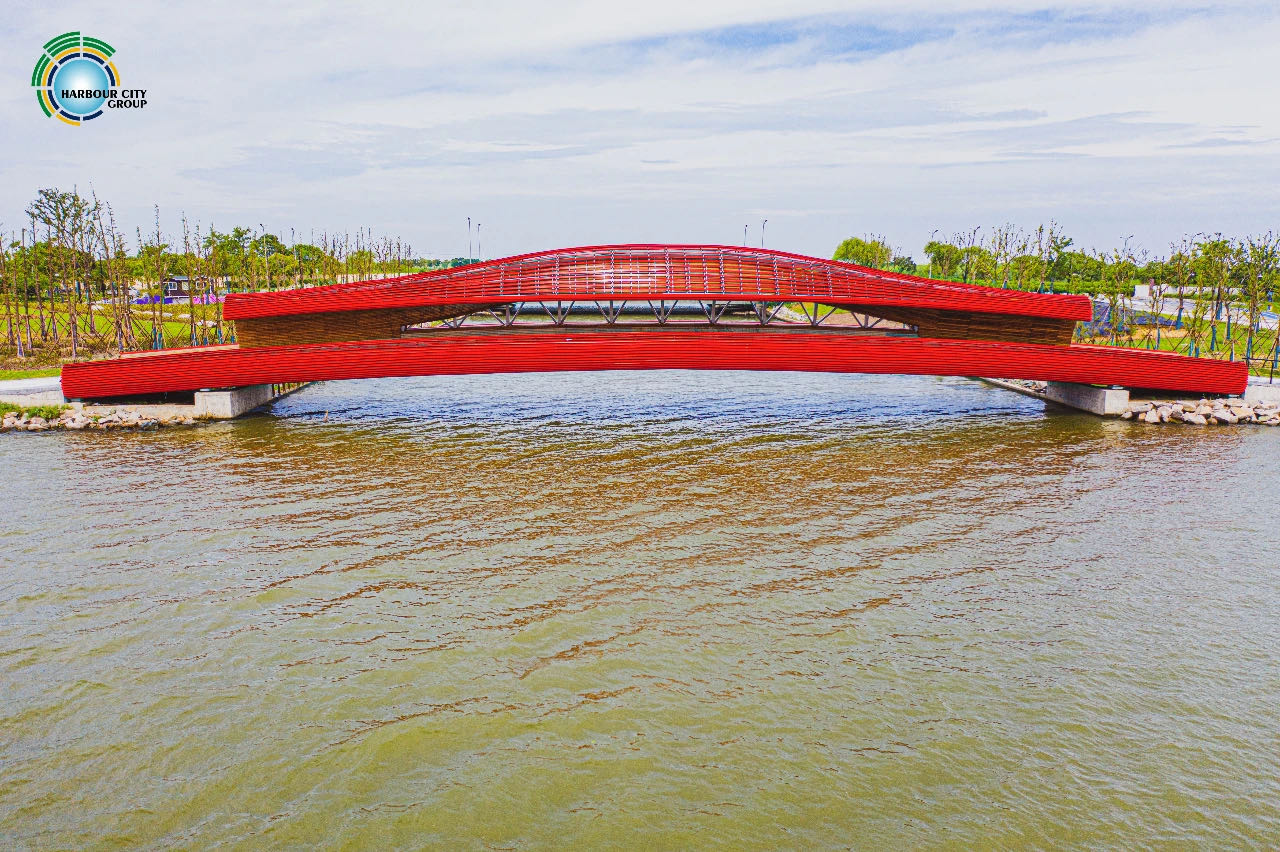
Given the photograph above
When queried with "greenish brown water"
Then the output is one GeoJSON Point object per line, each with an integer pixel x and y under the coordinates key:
{"type": "Point", "coordinates": [663, 610]}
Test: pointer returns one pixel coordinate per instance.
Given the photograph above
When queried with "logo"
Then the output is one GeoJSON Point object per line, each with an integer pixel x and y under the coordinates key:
{"type": "Point", "coordinates": [75, 80]}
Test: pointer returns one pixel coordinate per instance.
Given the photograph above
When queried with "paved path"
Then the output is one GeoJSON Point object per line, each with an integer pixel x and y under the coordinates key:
{"type": "Point", "coordinates": [46, 390]}
{"type": "Point", "coordinates": [40, 385]}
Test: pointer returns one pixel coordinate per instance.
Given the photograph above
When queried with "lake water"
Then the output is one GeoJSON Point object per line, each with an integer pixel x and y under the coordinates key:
{"type": "Point", "coordinates": [664, 609]}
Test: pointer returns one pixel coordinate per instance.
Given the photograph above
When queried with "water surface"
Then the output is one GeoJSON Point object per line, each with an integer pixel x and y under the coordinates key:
{"type": "Point", "coordinates": [646, 609]}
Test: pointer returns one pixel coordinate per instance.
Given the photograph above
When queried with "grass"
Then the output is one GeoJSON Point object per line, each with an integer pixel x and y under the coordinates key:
{"type": "Point", "coordinates": [37, 373]}
{"type": "Point", "coordinates": [175, 325]}
{"type": "Point", "coordinates": [1178, 340]}
{"type": "Point", "coordinates": [48, 412]}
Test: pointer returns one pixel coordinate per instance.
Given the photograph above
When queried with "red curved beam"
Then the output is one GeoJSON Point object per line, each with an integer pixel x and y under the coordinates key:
{"type": "Point", "coordinates": [657, 272]}
{"type": "Point", "coordinates": [463, 354]}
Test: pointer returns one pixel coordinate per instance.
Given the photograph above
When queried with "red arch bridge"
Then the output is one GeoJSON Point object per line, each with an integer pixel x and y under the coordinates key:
{"type": "Point", "coordinates": [635, 307]}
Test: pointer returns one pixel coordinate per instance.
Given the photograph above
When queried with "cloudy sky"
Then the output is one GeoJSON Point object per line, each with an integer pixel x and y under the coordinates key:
{"type": "Point", "coordinates": [566, 123]}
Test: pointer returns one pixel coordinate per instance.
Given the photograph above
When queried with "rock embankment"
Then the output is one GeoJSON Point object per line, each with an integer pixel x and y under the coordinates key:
{"type": "Point", "coordinates": [1204, 412]}
{"type": "Point", "coordinates": [78, 419]}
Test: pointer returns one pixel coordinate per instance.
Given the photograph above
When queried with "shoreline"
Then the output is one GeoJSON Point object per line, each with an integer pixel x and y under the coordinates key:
{"type": "Point", "coordinates": [1198, 411]}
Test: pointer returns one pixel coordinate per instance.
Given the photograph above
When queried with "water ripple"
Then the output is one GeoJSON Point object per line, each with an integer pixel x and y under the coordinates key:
{"type": "Point", "coordinates": [773, 610]}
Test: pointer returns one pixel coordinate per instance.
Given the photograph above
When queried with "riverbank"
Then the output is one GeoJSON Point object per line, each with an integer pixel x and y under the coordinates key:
{"type": "Point", "coordinates": [1201, 411]}
{"type": "Point", "coordinates": [76, 417]}
{"type": "Point", "coordinates": [37, 405]}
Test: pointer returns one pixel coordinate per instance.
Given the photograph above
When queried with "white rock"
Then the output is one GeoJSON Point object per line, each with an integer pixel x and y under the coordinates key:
{"type": "Point", "coordinates": [1194, 419]}
{"type": "Point", "coordinates": [1140, 407]}
{"type": "Point", "coordinates": [1152, 416]}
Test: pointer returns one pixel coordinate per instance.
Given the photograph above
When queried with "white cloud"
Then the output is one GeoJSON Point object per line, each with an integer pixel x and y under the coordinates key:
{"type": "Point", "coordinates": [566, 123]}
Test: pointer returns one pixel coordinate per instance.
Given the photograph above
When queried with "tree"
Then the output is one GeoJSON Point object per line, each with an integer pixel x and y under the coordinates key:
{"type": "Point", "coordinates": [1259, 267]}
{"type": "Point", "coordinates": [268, 245]}
{"type": "Point", "coordinates": [69, 222]}
{"type": "Point", "coordinates": [1050, 246]}
{"type": "Point", "coordinates": [977, 264]}
{"type": "Point", "coordinates": [872, 251]}
{"type": "Point", "coordinates": [228, 252]}
{"type": "Point", "coordinates": [944, 258]}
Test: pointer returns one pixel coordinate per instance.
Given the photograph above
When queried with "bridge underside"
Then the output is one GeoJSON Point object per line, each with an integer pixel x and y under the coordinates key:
{"type": "Point", "coordinates": [386, 323]}
{"type": "Point", "coordinates": [466, 352]}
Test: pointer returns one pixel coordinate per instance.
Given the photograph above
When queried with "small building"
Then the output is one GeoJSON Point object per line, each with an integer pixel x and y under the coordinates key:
{"type": "Point", "coordinates": [177, 287]}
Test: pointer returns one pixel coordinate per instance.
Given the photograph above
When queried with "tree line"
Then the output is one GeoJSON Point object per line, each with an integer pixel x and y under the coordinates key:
{"type": "Point", "coordinates": [73, 286]}
{"type": "Point", "coordinates": [1208, 295]}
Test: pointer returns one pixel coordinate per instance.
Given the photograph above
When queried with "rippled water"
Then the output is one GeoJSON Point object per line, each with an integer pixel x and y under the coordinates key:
{"type": "Point", "coordinates": [642, 609]}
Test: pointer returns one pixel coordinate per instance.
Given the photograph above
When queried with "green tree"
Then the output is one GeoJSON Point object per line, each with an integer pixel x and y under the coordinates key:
{"type": "Point", "coordinates": [944, 259]}
{"type": "Point", "coordinates": [905, 264]}
{"type": "Point", "coordinates": [872, 251]}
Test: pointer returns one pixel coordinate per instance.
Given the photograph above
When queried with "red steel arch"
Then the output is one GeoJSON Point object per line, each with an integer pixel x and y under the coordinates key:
{"type": "Point", "coordinates": [658, 272]}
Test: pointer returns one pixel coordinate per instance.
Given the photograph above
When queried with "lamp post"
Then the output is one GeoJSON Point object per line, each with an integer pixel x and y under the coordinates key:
{"type": "Point", "coordinates": [479, 251]}
{"type": "Point", "coordinates": [266, 253]}
{"type": "Point", "coordinates": [744, 235]}
{"type": "Point", "coordinates": [763, 222]}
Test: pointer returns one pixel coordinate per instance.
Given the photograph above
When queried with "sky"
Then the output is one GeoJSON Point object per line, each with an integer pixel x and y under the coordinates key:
{"type": "Point", "coordinates": [566, 123]}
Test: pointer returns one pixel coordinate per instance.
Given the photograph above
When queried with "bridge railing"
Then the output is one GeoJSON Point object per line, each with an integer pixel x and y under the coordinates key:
{"type": "Point", "coordinates": [644, 272]}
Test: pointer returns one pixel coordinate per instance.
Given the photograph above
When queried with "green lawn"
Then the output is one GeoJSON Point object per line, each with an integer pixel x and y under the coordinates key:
{"type": "Point", "coordinates": [1178, 340]}
{"type": "Point", "coordinates": [37, 373]}
{"type": "Point", "coordinates": [174, 323]}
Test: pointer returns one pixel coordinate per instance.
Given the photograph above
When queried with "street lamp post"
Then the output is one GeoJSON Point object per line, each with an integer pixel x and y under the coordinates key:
{"type": "Point", "coordinates": [763, 222]}
{"type": "Point", "coordinates": [479, 251]}
{"type": "Point", "coordinates": [266, 253]}
{"type": "Point", "coordinates": [468, 239]}
{"type": "Point", "coordinates": [744, 235]}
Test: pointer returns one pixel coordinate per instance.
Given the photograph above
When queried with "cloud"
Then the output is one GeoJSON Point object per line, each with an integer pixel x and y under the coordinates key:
{"type": "Point", "coordinates": [570, 122]}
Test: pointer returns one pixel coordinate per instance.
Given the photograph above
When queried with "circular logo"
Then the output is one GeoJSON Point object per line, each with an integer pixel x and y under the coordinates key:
{"type": "Point", "coordinates": [90, 82]}
{"type": "Point", "coordinates": [75, 78]}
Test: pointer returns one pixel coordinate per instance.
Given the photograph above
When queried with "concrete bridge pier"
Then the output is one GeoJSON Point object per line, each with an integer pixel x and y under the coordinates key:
{"type": "Point", "coordinates": [209, 403]}
{"type": "Point", "coordinates": [1114, 401]}
{"type": "Point", "coordinates": [229, 403]}
{"type": "Point", "coordinates": [1107, 402]}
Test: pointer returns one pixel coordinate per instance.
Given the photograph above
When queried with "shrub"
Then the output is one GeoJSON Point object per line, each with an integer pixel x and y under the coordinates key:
{"type": "Point", "coordinates": [48, 412]}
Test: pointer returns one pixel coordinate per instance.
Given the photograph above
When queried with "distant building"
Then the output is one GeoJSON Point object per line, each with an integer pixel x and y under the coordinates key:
{"type": "Point", "coordinates": [177, 287]}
